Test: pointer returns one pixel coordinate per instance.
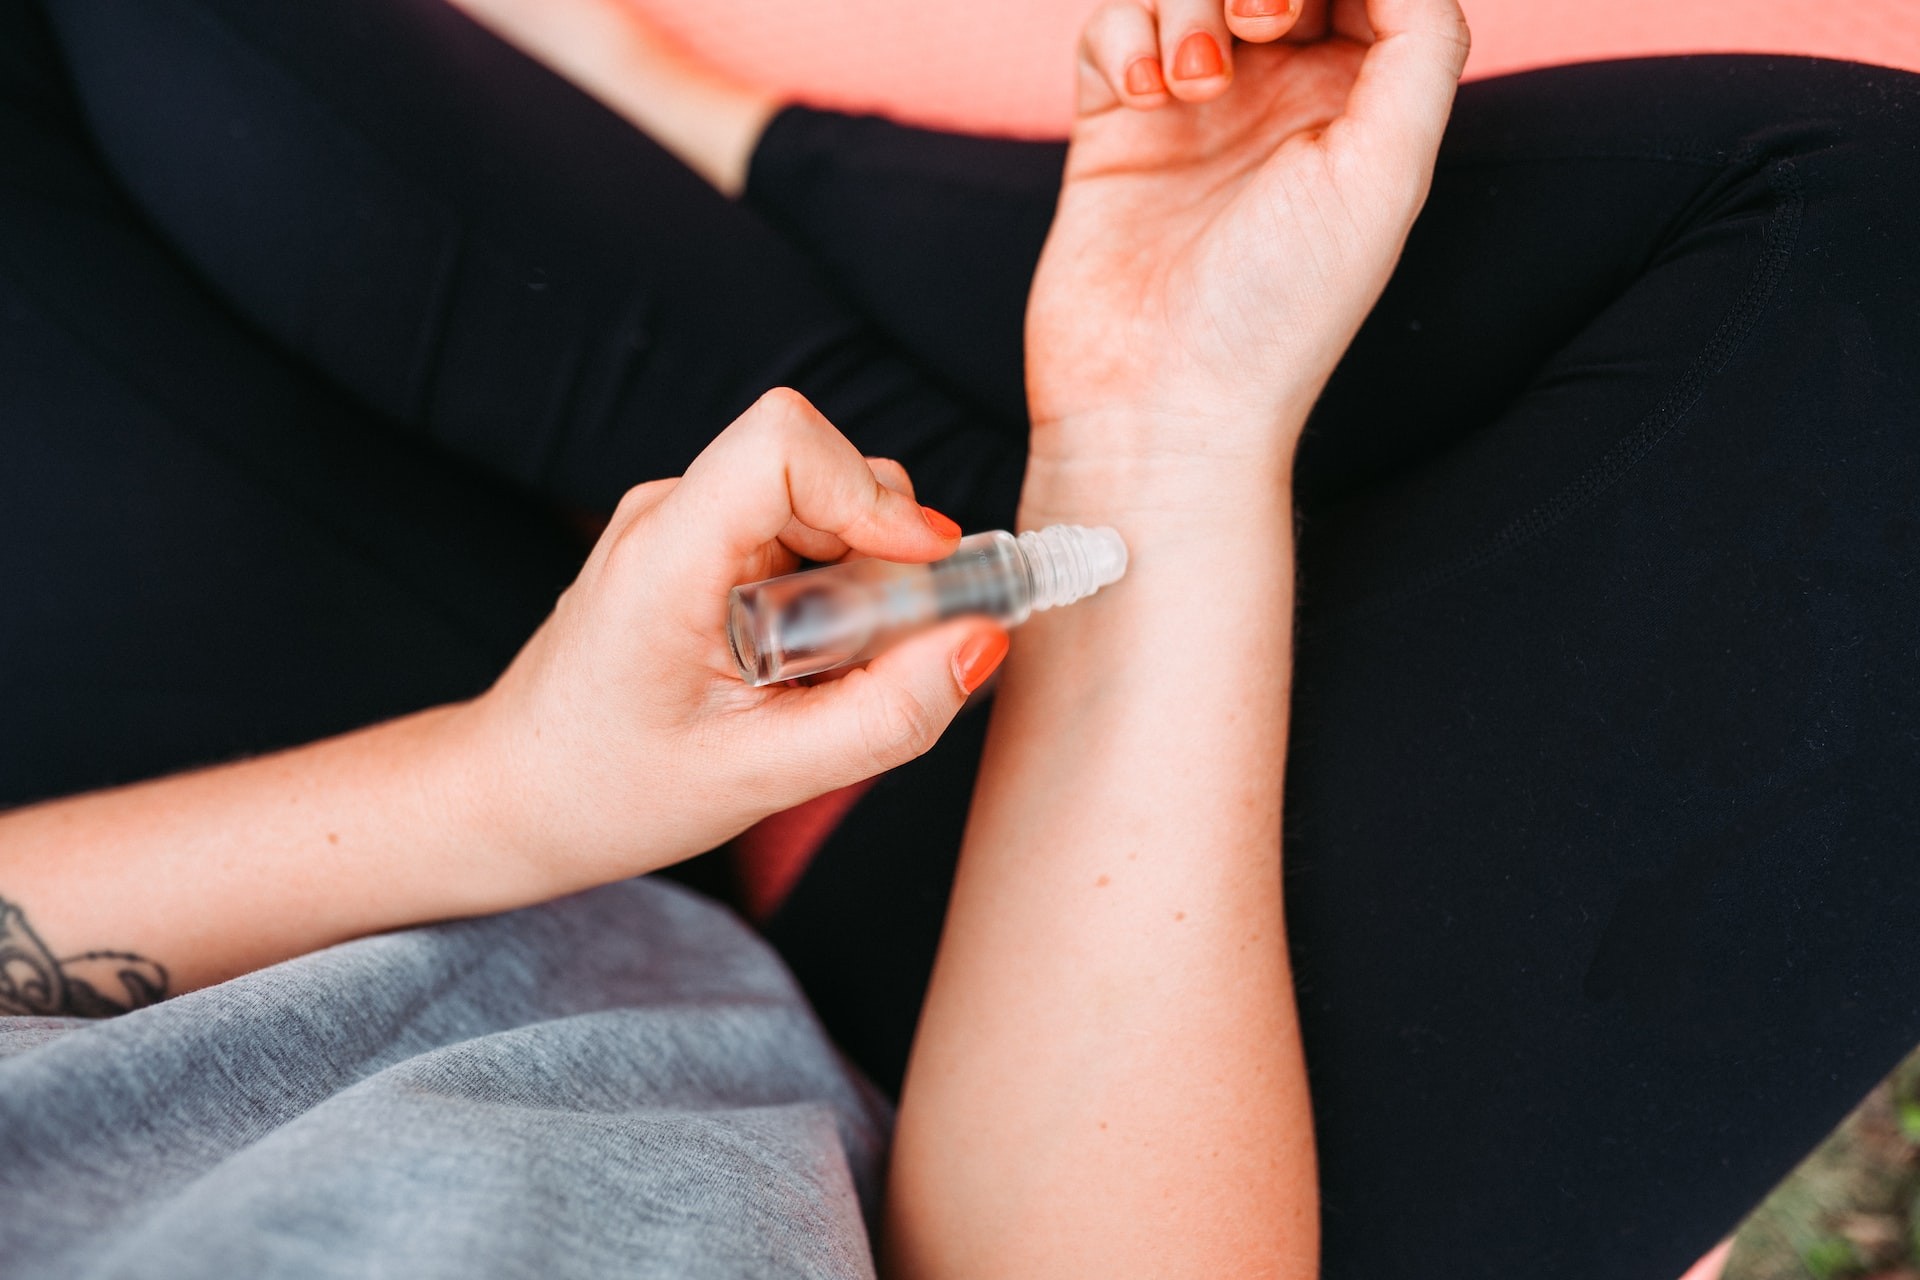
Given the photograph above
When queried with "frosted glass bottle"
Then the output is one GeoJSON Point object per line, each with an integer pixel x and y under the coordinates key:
{"type": "Point", "coordinates": [805, 623]}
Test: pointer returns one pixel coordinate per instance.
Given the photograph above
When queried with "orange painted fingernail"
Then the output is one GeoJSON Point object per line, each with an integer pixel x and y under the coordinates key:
{"type": "Point", "coordinates": [979, 657]}
{"type": "Point", "coordinates": [1259, 8]}
{"type": "Point", "coordinates": [1143, 77]}
{"type": "Point", "coordinates": [1198, 58]}
{"type": "Point", "coordinates": [940, 524]}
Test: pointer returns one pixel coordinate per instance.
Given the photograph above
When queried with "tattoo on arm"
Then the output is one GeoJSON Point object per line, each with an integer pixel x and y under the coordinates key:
{"type": "Point", "coordinates": [34, 981]}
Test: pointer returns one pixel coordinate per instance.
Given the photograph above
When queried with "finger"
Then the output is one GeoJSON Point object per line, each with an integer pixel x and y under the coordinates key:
{"type": "Point", "coordinates": [811, 544]}
{"type": "Point", "coordinates": [782, 462]}
{"type": "Point", "coordinates": [636, 502]}
{"type": "Point", "coordinates": [1349, 18]}
{"type": "Point", "coordinates": [1195, 49]}
{"type": "Point", "coordinates": [891, 474]}
{"type": "Point", "coordinates": [1312, 24]}
{"type": "Point", "coordinates": [1261, 21]}
{"type": "Point", "coordinates": [1397, 109]}
{"type": "Point", "coordinates": [896, 707]}
{"type": "Point", "coordinates": [1120, 60]}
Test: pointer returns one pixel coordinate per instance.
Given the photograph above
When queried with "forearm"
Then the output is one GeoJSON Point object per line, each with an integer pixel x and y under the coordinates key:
{"type": "Point", "coordinates": [211, 874]}
{"type": "Point", "coordinates": [1107, 1079]}
{"type": "Point", "coordinates": [620, 740]}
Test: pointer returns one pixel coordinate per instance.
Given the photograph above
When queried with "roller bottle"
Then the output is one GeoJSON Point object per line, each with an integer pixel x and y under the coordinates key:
{"type": "Point", "coordinates": [805, 623]}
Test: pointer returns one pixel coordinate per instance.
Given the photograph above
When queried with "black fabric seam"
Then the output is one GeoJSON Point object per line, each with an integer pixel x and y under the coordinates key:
{"type": "Point", "coordinates": [424, 379]}
{"type": "Point", "coordinates": [1706, 158]}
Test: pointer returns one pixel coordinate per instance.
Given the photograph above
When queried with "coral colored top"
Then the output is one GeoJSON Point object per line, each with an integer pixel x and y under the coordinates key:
{"type": "Point", "coordinates": [1004, 65]}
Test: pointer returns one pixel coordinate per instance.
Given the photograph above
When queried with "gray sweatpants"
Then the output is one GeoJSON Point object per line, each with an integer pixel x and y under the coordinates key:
{"type": "Point", "coordinates": [621, 1083]}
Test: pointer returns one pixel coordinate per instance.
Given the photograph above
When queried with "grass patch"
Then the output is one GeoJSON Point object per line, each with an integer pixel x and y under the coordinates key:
{"type": "Point", "coordinates": [1851, 1211]}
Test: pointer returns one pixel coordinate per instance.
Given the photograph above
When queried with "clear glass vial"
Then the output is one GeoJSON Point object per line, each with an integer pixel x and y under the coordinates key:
{"type": "Point", "coordinates": [809, 622]}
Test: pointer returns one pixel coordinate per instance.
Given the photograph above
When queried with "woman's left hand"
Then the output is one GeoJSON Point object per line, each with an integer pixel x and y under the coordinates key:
{"type": "Point", "coordinates": [1229, 216]}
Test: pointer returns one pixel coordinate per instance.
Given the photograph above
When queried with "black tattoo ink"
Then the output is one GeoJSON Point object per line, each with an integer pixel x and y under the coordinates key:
{"type": "Point", "coordinates": [34, 981]}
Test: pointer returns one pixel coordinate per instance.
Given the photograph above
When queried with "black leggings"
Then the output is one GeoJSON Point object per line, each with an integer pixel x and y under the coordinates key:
{"type": "Point", "coordinates": [1607, 715]}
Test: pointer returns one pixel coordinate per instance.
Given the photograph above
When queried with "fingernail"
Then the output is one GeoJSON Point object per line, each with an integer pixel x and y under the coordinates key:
{"type": "Point", "coordinates": [1143, 77]}
{"type": "Point", "coordinates": [1197, 58]}
{"type": "Point", "coordinates": [979, 657]}
{"type": "Point", "coordinates": [940, 524]}
{"type": "Point", "coordinates": [1259, 8]}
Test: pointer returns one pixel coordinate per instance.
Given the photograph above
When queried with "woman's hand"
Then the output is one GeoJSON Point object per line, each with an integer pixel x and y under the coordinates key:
{"type": "Point", "coordinates": [1229, 216]}
{"type": "Point", "coordinates": [1113, 971]}
{"type": "Point", "coordinates": [622, 738]}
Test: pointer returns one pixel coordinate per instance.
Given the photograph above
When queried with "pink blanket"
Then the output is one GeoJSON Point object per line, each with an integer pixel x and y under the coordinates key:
{"type": "Point", "coordinates": [1004, 65]}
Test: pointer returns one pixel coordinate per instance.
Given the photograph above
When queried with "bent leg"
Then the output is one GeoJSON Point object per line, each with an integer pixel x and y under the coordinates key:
{"type": "Point", "coordinates": [1606, 697]}
{"type": "Point", "coordinates": [934, 235]}
{"type": "Point", "coordinates": [205, 549]}
{"type": "Point", "coordinates": [1606, 705]}
{"type": "Point", "coordinates": [476, 250]}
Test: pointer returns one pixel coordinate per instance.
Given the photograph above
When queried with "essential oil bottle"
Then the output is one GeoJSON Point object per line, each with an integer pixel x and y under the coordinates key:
{"type": "Point", "coordinates": [805, 623]}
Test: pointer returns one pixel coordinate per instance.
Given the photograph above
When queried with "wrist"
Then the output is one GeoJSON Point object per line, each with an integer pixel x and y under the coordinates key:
{"type": "Point", "coordinates": [1197, 420]}
{"type": "Point", "coordinates": [479, 798]}
{"type": "Point", "coordinates": [1111, 470]}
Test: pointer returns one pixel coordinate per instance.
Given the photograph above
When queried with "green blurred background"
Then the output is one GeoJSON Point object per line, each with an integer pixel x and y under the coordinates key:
{"type": "Point", "coordinates": [1852, 1209]}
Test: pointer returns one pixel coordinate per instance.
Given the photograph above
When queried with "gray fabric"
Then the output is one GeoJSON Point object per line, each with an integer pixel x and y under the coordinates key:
{"type": "Point", "coordinates": [625, 1083]}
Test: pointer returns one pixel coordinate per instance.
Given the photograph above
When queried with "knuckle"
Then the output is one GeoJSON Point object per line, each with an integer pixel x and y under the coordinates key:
{"type": "Point", "coordinates": [891, 474]}
{"type": "Point", "coordinates": [783, 398]}
{"type": "Point", "coordinates": [897, 728]}
{"type": "Point", "coordinates": [782, 409]}
{"type": "Point", "coordinates": [1113, 23]}
{"type": "Point", "coordinates": [637, 500]}
{"type": "Point", "coordinates": [1185, 15]}
{"type": "Point", "coordinates": [1449, 33]}
{"type": "Point", "coordinates": [626, 552]}
{"type": "Point", "coordinates": [769, 422]}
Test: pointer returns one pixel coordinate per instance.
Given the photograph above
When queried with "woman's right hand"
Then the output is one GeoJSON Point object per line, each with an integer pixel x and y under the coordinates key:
{"type": "Point", "coordinates": [622, 738]}
{"type": "Point", "coordinates": [1229, 216]}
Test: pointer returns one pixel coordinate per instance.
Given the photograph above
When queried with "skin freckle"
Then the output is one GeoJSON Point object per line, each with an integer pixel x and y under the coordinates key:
{"type": "Point", "coordinates": [1179, 915]}
{"type": "Point", "coordinates": [1103, 882]}
{"type": "Point", "coordinates": [333, 837]}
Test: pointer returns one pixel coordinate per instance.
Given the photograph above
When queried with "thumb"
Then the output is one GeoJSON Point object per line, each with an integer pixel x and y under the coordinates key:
{"type": "Point", "coordinates": [1397, 110]}
{"type": "Point", "coordinates": [895, 708]}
